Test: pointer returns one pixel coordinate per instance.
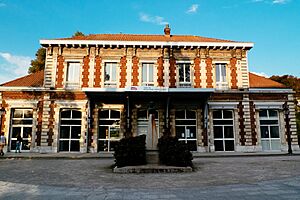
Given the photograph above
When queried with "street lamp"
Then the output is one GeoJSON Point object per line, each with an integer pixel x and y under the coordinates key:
{"type": "Point", "coordinates": [288, 132]}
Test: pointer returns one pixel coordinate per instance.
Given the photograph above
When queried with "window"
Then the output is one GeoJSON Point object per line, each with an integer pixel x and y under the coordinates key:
{"type": "Point", "coordinates": [70, 130]}
{"type": "Point", "coordinates": [110, 74]}
{"type": "Point", "coordinates": [221, 81]}
{"type": "Point", "coordinates": [109, 129]}
{"type": "Point", "coordinates": [186, 127]}
{"type": "Point", "coordinates": [223, 130]}
{"type": "Point", "coordinates": [73, 75]}
{"type": "Point", "coordinates": [269, 130]}
{"type": "Point", "coordinates": [184, 71]}
{"type": "Point", "coordinates": [147, 74]}
{"type": "Point", "coordinates": [22, 120]}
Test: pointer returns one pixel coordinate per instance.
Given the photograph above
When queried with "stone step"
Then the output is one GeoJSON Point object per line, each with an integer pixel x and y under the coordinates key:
{"type": "Point", "coordinates": [152, 157]}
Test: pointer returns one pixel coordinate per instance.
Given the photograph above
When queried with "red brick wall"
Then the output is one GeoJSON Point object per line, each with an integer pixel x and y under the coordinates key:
{"type": "Point", "coordinates": [197, 73]}
{"type": "Point", "coordinates": [135, 71]}
{"type": "Point", "coordinates": [60, 72]}
{"type": "Point", "coordinates": [51, 123]}
{"type": "Point", "coordinates": [21, 95]}
{"type": "Point", "coordinates": [97, 74]}
{"type": "Point", "coordinates": [241, 124]}
{"type": "Point", "coordinates": [68, 96]}
{"type": "Point", "coordinates": [253, 126]}
{"type": "Point", "coordinates": [209, 79]}
{"type": "Point", "coordinates": [123, 72]}
{"type": "Point", "coordinates": [233, 73]}
{"type": "Point", "coordinates": [85, 72]}
{"type": "Point", "coordinates": [172, 72]}
{"type": "Point", "coordinates": [3, 118]}
{"type": "Point", "coordinates": [39, 122]}
{"type": "Point", "coordinates": [160, 71]}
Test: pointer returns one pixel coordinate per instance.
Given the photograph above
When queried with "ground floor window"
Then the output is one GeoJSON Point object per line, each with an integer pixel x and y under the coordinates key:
{"type": "Point", "coordinates": [223, 130]}
{"type": "Point", "coordinates": [70, 130]}
{"type": "Point", "coordinates": [186, 127]}
{"type": "Point", "coordinates": [109, 129]}
{"type": "Point", "coordinates": [21, 125]}
{"type": "Point", "coordinates": [269, 129]}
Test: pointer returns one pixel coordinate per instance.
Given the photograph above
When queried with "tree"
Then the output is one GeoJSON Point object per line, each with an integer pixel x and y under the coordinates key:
{"type": "Point", "coordinates": [77, 33]}
{"type": "Point", "coordinates": [289, 81]}
{"type": "Point", "coordinates": [38, 63]}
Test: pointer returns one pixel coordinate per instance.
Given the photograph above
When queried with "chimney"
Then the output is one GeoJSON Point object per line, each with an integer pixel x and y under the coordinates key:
{"type": "Point", "coordinates": [167, 31]}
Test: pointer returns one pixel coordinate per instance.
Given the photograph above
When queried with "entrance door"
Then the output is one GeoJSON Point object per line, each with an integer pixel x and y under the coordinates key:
{"type": "Point", "coordinates": [21, 125]}
{"type": "Point", "coordinates": [186, 127]}
{"type": "Point", "coordinates": [143, 122]}
{"type": "Point", "coordinates": [109, 129]}
{"type": "Point", "coordinates": [70, 130]}
{"type": "Point", "coordinates": [223, 130]}
{"type": "Point", "coordinates": [269, 129]}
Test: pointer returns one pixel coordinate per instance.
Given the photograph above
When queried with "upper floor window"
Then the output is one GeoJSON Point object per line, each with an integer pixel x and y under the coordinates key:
{"type": "Point", "coordinates": [184, 71]}
{"type": "Point", "coordinates": [110, 74]}
{"type": "Point", "coordinates": [147, 74]}
{"type": "Point", "coordinates": [73, 75]}
{"type": "Point", "coordinates": [221, 81]}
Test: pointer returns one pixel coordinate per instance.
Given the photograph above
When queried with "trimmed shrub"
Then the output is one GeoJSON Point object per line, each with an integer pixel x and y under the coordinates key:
{"type": "Point", "coordinates": [173, 152]}
{"type": "Point", "coordinates": [131, 151]}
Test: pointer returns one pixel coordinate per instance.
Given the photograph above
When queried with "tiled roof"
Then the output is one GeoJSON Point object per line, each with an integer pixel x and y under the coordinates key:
{"type": "Point", "coordinates": [31, 80]}
{"type": "Point", "coordinates": [154, 38]}
{"type": "Point", "coordinates": [262, 82]}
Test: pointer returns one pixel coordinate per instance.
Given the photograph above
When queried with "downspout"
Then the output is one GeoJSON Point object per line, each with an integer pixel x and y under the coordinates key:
{"type": "Point", "coordinates": [89, 125]}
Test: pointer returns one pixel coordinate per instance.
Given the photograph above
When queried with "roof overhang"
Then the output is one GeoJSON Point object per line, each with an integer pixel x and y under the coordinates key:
{"type": "Point", "coordinates": [157, 44]}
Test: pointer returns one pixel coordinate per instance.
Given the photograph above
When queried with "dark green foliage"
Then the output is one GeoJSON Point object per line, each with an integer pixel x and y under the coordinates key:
{"type": "Point", "coordinates": [78, 33]}
{"type": "Point", "coordinates": [289, 81]}
{"type": "Point", "coordinates": [38, 63]}
{"type": "Point", "coordinates": [131, 151]}
{"type": "Point", "coordinates": [173, 152]}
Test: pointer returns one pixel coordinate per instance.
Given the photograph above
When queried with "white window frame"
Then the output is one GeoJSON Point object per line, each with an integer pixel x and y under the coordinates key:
{"type": "Point", "coordinates": [70, 125]}
{"type": "Point", "coordinates": [108, 139]}
{"type": "Point", "coordinates": [73, 83]}
{"type": "Point", "coordinates": [109, 83]}
{"type": "Point", "coordinates": [147, 82]}
{"type": "Point", "coordinates": [185, 139]}
{"type": "Point", "coordinates": [22, 126]}
{"type": "Point", "coordinates": [184, 83]}
{"type": "Point", "coordinates": [270, 139]}
{"type": "Point", "coordinates": [223, 139]}
{"type": "Point", "coordinates": [222, 83]}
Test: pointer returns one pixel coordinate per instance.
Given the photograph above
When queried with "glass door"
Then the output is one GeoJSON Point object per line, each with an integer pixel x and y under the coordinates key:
{"type": "Point", "coordinates": [70, 130]}
{"type": "Point", "coordinates": [22, 120]}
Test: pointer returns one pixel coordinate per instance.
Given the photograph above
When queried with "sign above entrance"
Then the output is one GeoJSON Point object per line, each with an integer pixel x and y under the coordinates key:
{"type": "Point", "coordinates": [146, 89]}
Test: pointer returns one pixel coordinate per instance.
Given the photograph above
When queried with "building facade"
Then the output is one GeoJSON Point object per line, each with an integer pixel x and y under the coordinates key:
{"type": "Point", "coordinates": [97, 89]}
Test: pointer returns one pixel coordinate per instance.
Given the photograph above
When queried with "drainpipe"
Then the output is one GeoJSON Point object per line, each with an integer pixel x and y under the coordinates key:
{"type": "Point", "coordinates": [206, 123]}
{"type": "Point", "coordinates": [89, 125]}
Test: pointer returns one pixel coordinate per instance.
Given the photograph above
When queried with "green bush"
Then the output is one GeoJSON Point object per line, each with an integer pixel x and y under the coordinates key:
{"type": "Point", "coordinates": [173, 152]}
{"type": "Point", "coordinates": [131, 151]}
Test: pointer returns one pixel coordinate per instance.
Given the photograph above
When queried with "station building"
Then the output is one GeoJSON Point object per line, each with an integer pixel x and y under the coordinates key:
{"type": "Point", "coordinates": [99, 88]}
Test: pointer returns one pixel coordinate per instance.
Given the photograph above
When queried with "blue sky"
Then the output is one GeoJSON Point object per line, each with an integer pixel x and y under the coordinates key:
{"type": "Point", "coordinates": [273, 25]}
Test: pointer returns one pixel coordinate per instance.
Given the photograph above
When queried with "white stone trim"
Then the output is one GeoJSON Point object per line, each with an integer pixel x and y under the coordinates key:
{"type": "Point", "coordinates": [147, 43]}
{"type": "Point", "coordinates": [222, 105]}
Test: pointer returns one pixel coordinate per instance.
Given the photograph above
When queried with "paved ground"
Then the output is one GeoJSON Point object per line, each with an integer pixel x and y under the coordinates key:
{"type": "Point", "coordinates": [271, 177]}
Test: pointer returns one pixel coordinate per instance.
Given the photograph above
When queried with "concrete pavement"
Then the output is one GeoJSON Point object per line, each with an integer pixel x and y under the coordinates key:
{"type": "Point", "coordinates": [263, 177]}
